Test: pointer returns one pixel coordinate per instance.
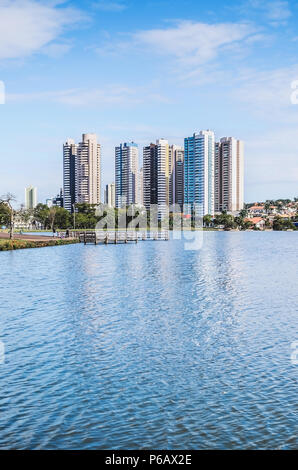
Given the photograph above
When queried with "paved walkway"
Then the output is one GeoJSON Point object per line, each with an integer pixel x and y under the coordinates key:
{"type": "Point", "coordinates": [33, 238]}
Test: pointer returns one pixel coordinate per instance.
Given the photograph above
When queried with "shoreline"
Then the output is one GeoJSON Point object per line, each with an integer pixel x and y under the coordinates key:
{"type": "Point", "coordinates": [33, 242]}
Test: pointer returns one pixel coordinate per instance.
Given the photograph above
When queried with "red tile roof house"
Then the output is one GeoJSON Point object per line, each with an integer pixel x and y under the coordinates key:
{"type": "Point", "coordinates": [257, 209]}
{"type": "Point", "coordinates": [258, 222]}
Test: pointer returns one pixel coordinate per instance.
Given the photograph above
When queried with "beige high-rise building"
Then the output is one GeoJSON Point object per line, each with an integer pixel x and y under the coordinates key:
{"type": "Point", "coordinates": [229, 175]}
{"type": "Point", "coordinates": [140, 199]}
{"type": "Point", "coordinates": [163, 176]}
{"type": "Point", "coordinates": [88, 170]}
{"type": "Point", "coordinates": [30, 197]}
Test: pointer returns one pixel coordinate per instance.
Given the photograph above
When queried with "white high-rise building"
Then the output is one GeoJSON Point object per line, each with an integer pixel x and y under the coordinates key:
{"type": "Point", "coordinates": [126, 174]}
{"type": "Point", "coordinates": [30, 197]}
{"type": "Point", "coordinates": [88, 170]}
{"type": "Point", "coordinates": [163, 177]}
{"type": "Point", "coordinates": [229, 175]}
{"type": "Point", "coordinates": [110, 195]}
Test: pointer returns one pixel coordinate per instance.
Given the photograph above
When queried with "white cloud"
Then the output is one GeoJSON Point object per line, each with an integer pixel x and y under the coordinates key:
{"type": "Point", "coordinates": [268, 92]}
{"type": "Point", "coordinates": [112, 94]}
{"type": "Point", "coordinates": [276, 11]}
{"type": "Point", "coordinates": [27, 26]}
{"type": "Point", "coordinates": [106, 5]}
{"type": "Point", "coordinates": [194, 43]}
{"type": "Point", "coordinates": [191, 44]}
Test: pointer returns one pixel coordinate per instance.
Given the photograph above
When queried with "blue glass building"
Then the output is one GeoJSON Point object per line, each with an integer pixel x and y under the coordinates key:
{"type": "Point", "coordinates": [199, 173]}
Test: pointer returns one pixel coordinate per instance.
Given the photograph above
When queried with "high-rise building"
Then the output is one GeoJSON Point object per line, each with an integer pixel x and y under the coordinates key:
{"type": "Point", "coordinates": [156, 176]}
{"type": "Point", "coordinates": [109, 198]}
{"type": "Point", "coordinates": [163, 176]}
{"type": "Point", "coordinates": [140, 199]}
{"type": "Point", "coordinates": [58, 201]}
{"type": "Point", "coordinates": [176, 175]}
{"type": "Point", "coordinates": [69, 174]}
{"type": "Point", "coordinates": [88, 170]}
{"type": "Point", "coordinates": [81, 172]}
{"type": "Point", "coordinates": [30, 197]}
{"type": "Point", "coordinates": [149, 175]}
{"type": "Point", "coordinates": [199, 154]}
{"type": "Point", "coordinates": [229, 175]}
{"type": "Point", "coordinates": [126, 174]}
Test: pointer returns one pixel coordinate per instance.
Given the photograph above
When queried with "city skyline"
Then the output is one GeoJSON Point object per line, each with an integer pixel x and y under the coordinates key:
{"type": "Point", "coordinates": [194, 66]}
{"type": "Point", "coordinates": [204, 174]}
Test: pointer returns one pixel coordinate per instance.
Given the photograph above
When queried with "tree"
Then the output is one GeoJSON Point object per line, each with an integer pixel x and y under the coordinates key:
{"type": "Point", "coordinates": [227, 220]}
{"type": "Point", "coordinates": [7, 201]}
{"type": "Point", "coordinates": [243, 213]}
{"type": "Point", "coordinates": [280, 223]}
{"type": "Point", "coordinates": [239, 221]}
{"type": "Point", "coordinates": [41, 214]}
{"type": "Point", "coordinates": [62, 218]}
{"type": "Point", "coordinates": [4, 214]}
{"type": "Point", "coordinates": [267, 207]}
{"type": "Point", "coordinates": [207, 219]}
{"type": "Point", "coordinates": [52, 217]}
{"type": "Point", "coordinates": [24, 215]}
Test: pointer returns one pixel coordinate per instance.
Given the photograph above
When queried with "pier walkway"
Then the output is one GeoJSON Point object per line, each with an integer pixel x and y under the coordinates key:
{"type": "Point", "coordinates": [115, 237]}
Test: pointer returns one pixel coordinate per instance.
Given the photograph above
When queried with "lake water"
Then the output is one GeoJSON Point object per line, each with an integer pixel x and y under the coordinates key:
{"type": "Point", "coordinates": [150, 346]}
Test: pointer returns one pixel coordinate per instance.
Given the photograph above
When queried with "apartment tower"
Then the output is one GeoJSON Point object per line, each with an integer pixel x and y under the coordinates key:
{"type": "Point", "coordinates": [69, 174]}
{"type": "Point", "coordinates": [109, 198]}
{"type": "Point", "coordinates": [88, 170]}
{"type": "Point", "coordinates": [156, 176]}
{"type": "Point", "coordinates": [126, 174]}
{"type": "Point", "coordinates": [176, 171]}
{"type": "Point", "coordinates": [30, 197]}
{"type": "Point", "coordinates": [199, 160]}
{"type": "Point", "coordinates": [229, 175]}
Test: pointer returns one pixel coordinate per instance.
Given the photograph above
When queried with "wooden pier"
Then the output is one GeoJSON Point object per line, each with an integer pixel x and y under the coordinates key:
{"type": "Point", "coordinates": [114, 237]}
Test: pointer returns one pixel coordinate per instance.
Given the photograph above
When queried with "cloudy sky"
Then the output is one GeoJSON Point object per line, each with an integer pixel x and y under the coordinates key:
{"type": "Point", "coordinates": [132, 70]}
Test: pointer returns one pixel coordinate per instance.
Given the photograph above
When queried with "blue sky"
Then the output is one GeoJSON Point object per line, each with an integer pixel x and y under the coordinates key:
{"type": "Point", "coordinates": [132, 70]}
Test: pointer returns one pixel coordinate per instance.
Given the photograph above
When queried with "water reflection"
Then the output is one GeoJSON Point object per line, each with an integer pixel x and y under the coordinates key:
{"type": "Point", "coordinates": [149, 345]}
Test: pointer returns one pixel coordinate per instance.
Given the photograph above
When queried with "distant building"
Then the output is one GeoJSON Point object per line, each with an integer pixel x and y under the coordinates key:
{"type": "Point", "coordinates": [126, 174]}
{"type": "Point", "coordinates": [58, 200]}
{"type": "Point", "coordinates": [177, 175]}
{"type": "Point", "coordinates": [156, 176]}
{"type": "Point", "coordinates": [81, 171]}
{"type": "Point", "coordinates": [88, 170]}
{"type": "Point", "coordinates": [30, 197]}
{"type": "Point", "coordinates": [229, 175]}
{"type": "Point", "coordinates": [140, 199]}
{"type": "Point", "coordinates": [149, 175]}
{"type": "Point", "coordinates": [199, 153]}
{"type": "Point", "coordinates": [109, 195]}
{"type": "Point", "coordinates": [69, 174]}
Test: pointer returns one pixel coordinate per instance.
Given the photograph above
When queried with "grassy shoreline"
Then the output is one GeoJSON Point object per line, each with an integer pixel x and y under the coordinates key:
{"type": "Point", "coordinates": [9, 245]}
